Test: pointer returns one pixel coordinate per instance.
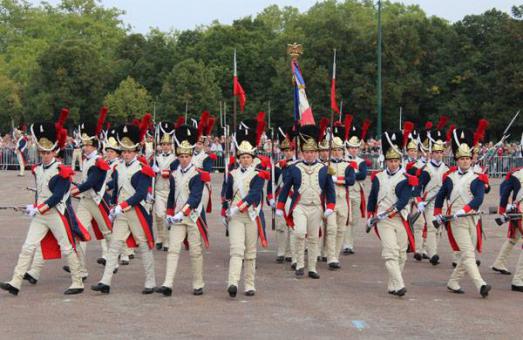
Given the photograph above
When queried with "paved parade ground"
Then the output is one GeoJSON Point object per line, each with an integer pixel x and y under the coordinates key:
{"type": "Point", "coordinates": [351, 303]}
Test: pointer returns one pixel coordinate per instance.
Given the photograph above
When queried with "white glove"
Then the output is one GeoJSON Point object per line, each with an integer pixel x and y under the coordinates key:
{"type": "Point", "coordinates": [510, 207]}
{"type": "Point", "coordinates": [169, 220]}
{"type": "Point", "coordinates": [421, 206]}
{"type": "Point", "coordinates": [225, 221]}
{"type": "Point", "coordinates": [459, 213]}
{"type": "Point", "coordinates": [155, 168]}
{"type": "Point", "coordinates": [279, 212]}
{"type": "Point", "coordinates": [30, 210]}
{"type": "Point", "coordinates": [369, 222]}
{"type": "Point", "coordinates": [233, 211]}
{"type": "Point", "coordinates": [328, 212]}
{"type": "Point", "coordinates": [178, 217]}
{"type": "Point", "coordinates": [334, 179]}
{"type": "Point", "coordinates": [117, 210]}
{"type": "Point", "coordinates": [272, 203]}
{"type": "Point", "coordinates": [150, 198]}
{"type": "Point", "coordinates": [438, 219]}
{"type": "Point", "coordinates": [382, 217]}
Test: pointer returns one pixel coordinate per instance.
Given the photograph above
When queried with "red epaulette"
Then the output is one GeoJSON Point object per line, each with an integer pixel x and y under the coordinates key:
{"type": "Point", "coordinates": [368, 162]}
{"type": "Point", "coordinates": [282, 163]}
{"type": "Point", "coordinates": [232, 160]}
{"type": "Point", "coordinates": [33, 168]}
{"type": "Point", "coordinates": [204, 175]}
{"type": "Point", "coordinates": [147, 170]}
{"type": "Point", "coordinates": [65, 171]}
{"type": "Point", "coordinates": [142, 160]}
{"type": "Point", "coordinates": [412, 180]}
{"type": "Point", "coordinates": [213, 156]}
{"type": "Point", "coordinates": [353, 165]}
{"type": "Point", "coordinates": [449, 171]}
{"type": "Point", "coordinates": [373, 174]}
{"type": "Point", "coordinates": [265, 161]}
{"type": "Point", "coordinates": [102, 164]}
{"type": "Point", "coordinates": [483, 178]}
{"type": "Point", "coordinates": [266, 175]}
{"type": "Point", "coordinates": [509, 174]}
{"type": "Point", "coordinates": [410, 165]}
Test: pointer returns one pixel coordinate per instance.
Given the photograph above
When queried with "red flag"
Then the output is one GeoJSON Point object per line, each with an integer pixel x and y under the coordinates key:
{"type": "Point", "coordinates": [237, 87]}
{"type": "Point", "coordinates": [334, 104]}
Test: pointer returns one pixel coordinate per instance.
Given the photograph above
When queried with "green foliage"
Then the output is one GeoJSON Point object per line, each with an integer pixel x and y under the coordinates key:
{"type": "Point", "coordinates": [77, 53]}
{"type": "Point", "coordinates": [130, 100]}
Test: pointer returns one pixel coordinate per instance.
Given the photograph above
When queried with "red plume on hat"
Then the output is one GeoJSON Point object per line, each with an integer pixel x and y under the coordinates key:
{"type": "Point", "coordinates": [136, 122]}
{"type": "Point", "coordinates": [144, 125]}
{"type": "Point", "coordinates": [62, 137]}
{"type": "Point", "coordinates": [101, 120]}
{"type": "Point", "coordinates": [260, 126]}
{"type": "Point", "coordinates": [348, 125]}
{"type": "Point", "coordinates": [408, 127]}
{"type": "Point", "coordinates": [179, 122]}
{"type": "Point", "coordinates": [365, 129]}
{"type": "Point", "coordinates": [209, 125]}
{"type": "Point", "coordinates": [324, 123]}
{"type": "Point", "coordinates": [64, 113]}
{"type": "Point", "coordinates": [443, 120]}
{"type": "Point", "coordinates": [479, 135]}
{"type": "Point", "coordinates": [451, 129]}
{"type": "Point", "coordinates": [428, 125]}
{"type": "Point", "coordinates": [201, 124]}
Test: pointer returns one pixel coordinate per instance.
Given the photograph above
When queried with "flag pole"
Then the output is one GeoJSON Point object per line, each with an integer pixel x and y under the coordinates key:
{"type": "Point", "coordinates": [235, 99]}
{"type": "Point", "coordinates": [341, 110]}
{"type": "Point", "coordinates": [295, 50]}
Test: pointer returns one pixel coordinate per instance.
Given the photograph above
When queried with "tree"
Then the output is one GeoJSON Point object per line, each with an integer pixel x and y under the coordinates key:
{"type": "Point", "coordinates": [190, 82]}
{"type": "Point", "coordinates": [10, 102]}
{"type": "Point", "coordinates": [130, 100]}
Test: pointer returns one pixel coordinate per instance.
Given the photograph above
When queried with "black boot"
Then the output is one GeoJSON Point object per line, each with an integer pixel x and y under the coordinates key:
{"type": "Point", "coordinates": [74, 291]}
{"type": "Point", "coordinates": [250, 293]}
{"type": "Point", "coordinates": [456, 291]}
{"type": "Point", "coordinates": [401, 292]}
{"type": "Point", "coordinates": [314, 275]}
{"type": "Point", "coordinates": [434, 260]}
{"type": "Point", "coordinates": [299, 273]}
{"type": "Point", "coordinates": [101, 261]}
{"type": "Point", "coordinates": [102, 288]}
{"type": "Point", "coordinates": [417, 256]}
{"type": "Point", "coordinates": [166, 291]}
{"type": "Point", "coordinates": [483, 291]}
{"type": "Point", "coordinates": [232, 290]}
{"type": "Point", "coordinates": [334, 266]}
{"type": "Point", "coordinates": [197, 292]}
{"type": "Point", "coordinates": [517, 288]}
{"type": "Point", "coordinates": [31, 279]}
{"type": "Point", "coordinates": [159, 246]}
{"type": "Point", "coordinates": [501, 271]}
{"type": "Point", "coordinates": [288, 259]}
{"type": "Point", "coordinates": [9, 288]}
{"type": "Point", "coordinates": [147, 291]}
{"type": "Point", "coordinates": [66, 269]}
{"type": "Point", "coordinates": [280, 259]}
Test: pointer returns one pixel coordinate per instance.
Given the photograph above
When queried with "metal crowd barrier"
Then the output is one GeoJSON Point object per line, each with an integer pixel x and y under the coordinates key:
{"type": "Point", "coordinates": [497, 166]}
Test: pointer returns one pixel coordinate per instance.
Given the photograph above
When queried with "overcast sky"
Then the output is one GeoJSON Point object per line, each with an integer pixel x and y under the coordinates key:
{"type": "Point", "coordinates": [186, 14]}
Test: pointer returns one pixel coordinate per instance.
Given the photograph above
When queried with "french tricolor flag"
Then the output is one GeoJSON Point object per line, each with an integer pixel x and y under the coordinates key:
{"type": "Point", "coordinates": [302, 109]}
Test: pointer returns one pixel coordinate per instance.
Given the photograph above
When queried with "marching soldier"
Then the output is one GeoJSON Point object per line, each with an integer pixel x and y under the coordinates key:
{"type": "Point", "coordinates": [464, 191]}
{"type": "Point", "coordinates": [387, 210]}
{"type": "Point", "coordinates": [324, 154]}
{"type": "Point", "coordinates": [21, 145]}
{"type": "Point", "coordinates": [243, 199]}
{"type": "Point", "coordinates": [162, 167]}
{"type": "Point", "coordinates": [77, 151]}
{"type": "Point", "coordinates": [92, 210]}
{"type": "Point", "coordinates": [184, 209]}
{"type": "Point", "coordinates": [354, 143]}
{"type": "Point", "coordinates": [343, 178]}
{"type": "Point", "coordinates": [131, 221]}
{"type": "Point", "coordinates": [113, 159]}
{"type": "Point", "coordinates": [414, 166]}
{"type": "Point", "coordinates": [431, 177]}
{"type": "Point", "coordinates": [202, 159]}
{"type": "Point", "coordinates": [283, 230]}
{"type": "Point", "coordinates": [311, 186]}
{"type": "Point", "coordinates": [511, 186]}
{"type": "Point", "coordinates": [49, 228]}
